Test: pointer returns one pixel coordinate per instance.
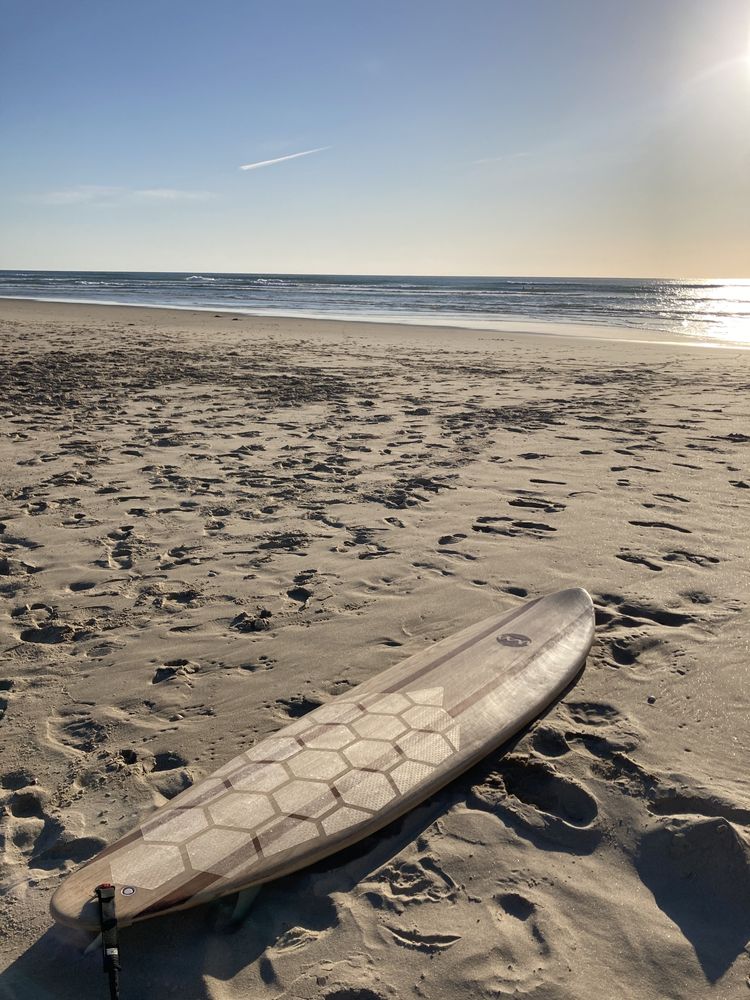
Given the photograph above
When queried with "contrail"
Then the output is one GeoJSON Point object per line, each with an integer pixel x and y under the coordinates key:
{"type": "Point", "coordinates": [280, 159]}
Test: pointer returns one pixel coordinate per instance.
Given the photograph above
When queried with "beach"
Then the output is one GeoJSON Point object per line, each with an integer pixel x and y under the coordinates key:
{"type": "Point", "coordinates": [212, 523]}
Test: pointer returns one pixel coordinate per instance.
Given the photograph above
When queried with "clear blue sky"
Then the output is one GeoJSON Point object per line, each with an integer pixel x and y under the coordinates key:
{"type": "Point", "coordinates": [591, 137]}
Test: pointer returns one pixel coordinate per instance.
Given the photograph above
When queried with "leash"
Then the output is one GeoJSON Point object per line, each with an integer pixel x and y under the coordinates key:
{"type": "Point", "coordinates": [110, 949]}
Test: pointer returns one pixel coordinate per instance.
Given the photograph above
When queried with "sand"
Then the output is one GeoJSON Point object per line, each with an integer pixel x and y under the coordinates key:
{"type": "Point", "coordinates": [171, 481]}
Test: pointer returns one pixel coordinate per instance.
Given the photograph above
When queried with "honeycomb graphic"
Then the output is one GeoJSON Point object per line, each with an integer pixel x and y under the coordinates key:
{"type": "Point", "coordinates": [325, 774]}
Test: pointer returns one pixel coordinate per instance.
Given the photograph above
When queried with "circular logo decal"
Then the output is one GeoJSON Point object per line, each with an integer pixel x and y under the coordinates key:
{"type": "Point", "coordinates": [513, 639]}
{"type": "Point", "coordinates": [128, 890]}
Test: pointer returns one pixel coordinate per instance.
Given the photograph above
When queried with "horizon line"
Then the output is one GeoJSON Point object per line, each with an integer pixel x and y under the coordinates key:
{"type": "Point", "coordinates": [380, 274]}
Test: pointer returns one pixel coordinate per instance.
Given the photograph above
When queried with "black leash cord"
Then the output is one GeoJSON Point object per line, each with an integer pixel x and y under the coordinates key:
{"type": "Point", "coordinates": [110, 949]}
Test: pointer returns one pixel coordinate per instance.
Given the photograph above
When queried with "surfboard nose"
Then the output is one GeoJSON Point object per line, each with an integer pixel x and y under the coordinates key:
{"type": "Point", "coordinates": [574, 599]}
{"type": "Point", "coordinates": [576, 594]}
{"type": "Point", "coordinates": [578, 604]}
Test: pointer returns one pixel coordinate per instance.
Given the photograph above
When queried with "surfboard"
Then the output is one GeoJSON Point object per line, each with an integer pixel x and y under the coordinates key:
{"type": "Point", "coordinates": [344, 770]}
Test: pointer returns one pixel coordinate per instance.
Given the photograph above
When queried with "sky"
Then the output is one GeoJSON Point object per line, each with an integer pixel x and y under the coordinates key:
{"type": "Point", "coordinates": [482, 137]}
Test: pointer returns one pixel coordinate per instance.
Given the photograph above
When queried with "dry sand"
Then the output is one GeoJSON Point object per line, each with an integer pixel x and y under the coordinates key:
{"type": "Point", "coordinates": [168, 475]}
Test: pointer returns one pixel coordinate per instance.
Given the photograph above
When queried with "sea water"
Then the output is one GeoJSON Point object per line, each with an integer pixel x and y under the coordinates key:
{"type": "Point", "coordinates": [712, 311]}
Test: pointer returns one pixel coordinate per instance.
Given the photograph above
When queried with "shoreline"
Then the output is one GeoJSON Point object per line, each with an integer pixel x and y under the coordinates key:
{"type": "Point", "coordinates": [500, 328]}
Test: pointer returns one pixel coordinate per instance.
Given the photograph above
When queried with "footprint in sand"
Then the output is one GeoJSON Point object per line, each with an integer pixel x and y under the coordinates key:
{"type": "Point", "coordinates": [182, 555]}
{"type": "Point", "coordinates": [168, 774]}
{"type": "Point", "coordinates": [523, 928]}
{"type": "Point", "coordinates": [20, 778]}
{"type": "Point", "coordinates": [592, 713]}
{"type": "Point", "coordinates": [630, 631]}
{"type": "Point", "coordinates": [663, 525]}
{"type": "Point", "coordinates": [625, 555]}
{"type": "Point", "coordinates": [76, 730]}
{"type": "Point", "coordinates": [549, 742]}
{"type": "Point", "coordinates": [515, 905]}
{"type": "Point", "coordinates": [180, 669]}
{"type": "Point", "coordinates": [540, 804]}
{"type": "Point", "coordinates": [451, 539]}
{"type": "Point", "coordinates": [429, 944]}
{"type": "Point", "coordinates": [16, 568]}
{"type": "Point", "coordinates": [51, 634]}
{"type": "Point", "coordinates": [32, 832]}
{"type": "Point", "coordinates": [296, 706]}
{"type": "Point", "coordinates": [540, 786]}
{"type": "Point", "coordinates": [120, 553]}
{"type": "Point", "coordinates": [507, 526]}
{"type": "Point", "coordinates": [300, 595]}
{"type": "Point", "coordinates": [404, 883]}
{"type": "Point", "coordinates": [681, 555]}
{"type": "Point", "coordinates": [537, 503]}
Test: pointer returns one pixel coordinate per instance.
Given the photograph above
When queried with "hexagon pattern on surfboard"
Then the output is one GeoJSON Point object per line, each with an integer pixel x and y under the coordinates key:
{"type": "Point", "coordinates": [322, 776]}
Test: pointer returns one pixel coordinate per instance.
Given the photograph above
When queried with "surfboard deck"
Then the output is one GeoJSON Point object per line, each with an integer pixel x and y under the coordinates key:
{"type": "Point", "coordinates": [344, 770]}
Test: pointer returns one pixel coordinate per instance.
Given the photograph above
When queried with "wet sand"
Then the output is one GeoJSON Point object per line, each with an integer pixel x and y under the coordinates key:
{"type": "Point", "coordinates": [167, 476]}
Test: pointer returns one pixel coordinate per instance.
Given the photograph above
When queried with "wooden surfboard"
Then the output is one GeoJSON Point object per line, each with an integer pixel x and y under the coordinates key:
{"type": "Point", "coordinates": [345, 769]}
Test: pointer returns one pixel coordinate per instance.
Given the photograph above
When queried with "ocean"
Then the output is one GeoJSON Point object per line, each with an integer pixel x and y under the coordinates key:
{"type": "Point", "coordinates": [715, 312]}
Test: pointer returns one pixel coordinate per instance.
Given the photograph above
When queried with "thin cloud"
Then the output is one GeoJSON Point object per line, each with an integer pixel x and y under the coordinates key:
{"type": "Point", "coordinates": [171, 194]}
{"type": "Point", "coordinates": [102, 195]}
{"type": "Point", "coordinates": [79, 195]}
{"type": "Point", "coordinates": [281, 159]}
